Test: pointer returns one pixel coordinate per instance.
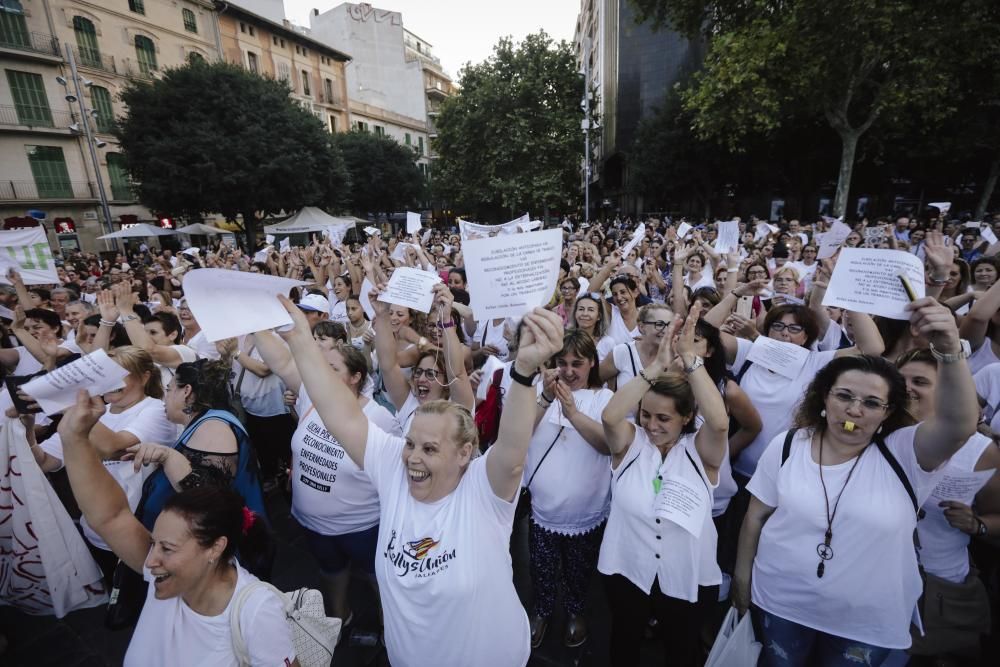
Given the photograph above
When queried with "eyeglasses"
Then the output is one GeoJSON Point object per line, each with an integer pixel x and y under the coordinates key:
{"type": "Point", "coordinates": [569, 287]}
{"type": "Point", "coordinates": [429, 373]}
{"type": "Point", "coordinates": [847, 398]}
{"type": "Point", "coordinates": [790, 328]}
{"type": "Point", "coordinates": [756, 274]}
{"type": "Point", "coordinates": [659, 325]}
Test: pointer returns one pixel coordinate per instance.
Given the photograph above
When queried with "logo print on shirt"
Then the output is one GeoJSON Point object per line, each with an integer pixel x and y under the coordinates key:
{"type": "Point", "coordinates": [415, 557]}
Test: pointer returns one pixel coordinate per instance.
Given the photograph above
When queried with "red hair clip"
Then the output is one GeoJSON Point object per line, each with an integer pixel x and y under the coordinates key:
{"type": "Point", "coordinates": [248, 518]}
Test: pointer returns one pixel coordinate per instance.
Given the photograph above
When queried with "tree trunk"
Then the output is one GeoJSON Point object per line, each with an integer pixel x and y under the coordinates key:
{"type": "Point", "coordinates": [849, 147]}
{"type": "Point", "coordinates": [250, 230]}
{"type": "Point", "coordinates": [988, 187]}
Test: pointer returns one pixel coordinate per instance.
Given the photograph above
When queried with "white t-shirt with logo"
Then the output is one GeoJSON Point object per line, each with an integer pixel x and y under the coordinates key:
{"type": "Point", "coordinates": [444, 568]}
{"type": "Point", "coordinates": [330, 494]}
{"type": "Point", "coordinates": [870, 588]}
{"type": "Point", "coordinates": [170, 633]}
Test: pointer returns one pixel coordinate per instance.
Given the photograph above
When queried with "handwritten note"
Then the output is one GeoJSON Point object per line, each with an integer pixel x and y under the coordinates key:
{"type": "Point", "coordinates": [785, 359]}
{"type": "Point", "coordinates": [233, 303]}
{"type": "Point", "coordinates": [961, 486]}
{"type": "Point", "coordinates": [684, 502]}
{"type": "Point", "coordinates": [510, 275]}
{"type": "Point", "coordinates": [412, 288]}
{"type": "Point", "coordinates": [866, 280]}
{"type": "Point", "coordinates": [56, 390]}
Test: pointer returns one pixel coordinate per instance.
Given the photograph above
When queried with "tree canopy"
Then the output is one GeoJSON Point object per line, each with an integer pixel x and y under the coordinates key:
{"type": "Point", "coordinates": [217, 138]}
{"type": "Point", "coordinates": [384, 175]}
{"type": "Point", "coordinates": [510, 140]}
{"type": "Point", "coordinates": [857, 64]}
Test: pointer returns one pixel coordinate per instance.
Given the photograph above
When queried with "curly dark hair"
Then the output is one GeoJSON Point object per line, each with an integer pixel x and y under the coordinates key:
{"type": "Point", "coordinates": [810, 408]}
{"type": "Point", "coordinates": [209, 382]}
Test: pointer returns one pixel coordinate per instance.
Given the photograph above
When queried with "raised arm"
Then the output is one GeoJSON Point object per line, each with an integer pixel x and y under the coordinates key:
{"type": "Point", "coordinates": [335, 403]}
{"type": "Point", "coordinates": [975, 324]}
{"type": "Point", "coordinates": [867, 339]}
{"type": "Point", "coordinates": [460, 388]}
{"type": "Point", "coordinates": [541, 338]}
{"type": "Point", "coordinates": [385, 347]}
{"type": "Point", "coordinates": [601, 277]}
{"type": "Point", "coordinates": [955, 402]}
{"type": "Point", "coordinates": [101, 499]}
{"type": "Point", "coordinates": [278, 358]}
{"type": "Point", "coordinates": [124, 303]}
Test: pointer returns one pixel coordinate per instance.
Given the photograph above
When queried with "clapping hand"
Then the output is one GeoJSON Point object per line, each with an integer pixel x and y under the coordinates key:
{"type": "Point", "coordinates": [541, 338]}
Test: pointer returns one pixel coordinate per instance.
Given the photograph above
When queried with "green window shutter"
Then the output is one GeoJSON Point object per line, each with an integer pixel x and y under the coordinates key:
{"type": "Point", "coordinates": [86, 42]}
{"type": "Point", "coordinates": [145, 53]}
{"type": "Point", "coordinates": [13, 27]}
{"type": "Point", "coordinates": [101, 99]}
{"type": "Point", "coordinates": [189, 21]}
{"type": "Point", "coordinates": [48, 166]}
{"type": "Point", "coordinates": [121, 188]}
{"type": "Point", "coordinates": [137, 6]}
{"type": "Point", "coordinates": [30, 99]}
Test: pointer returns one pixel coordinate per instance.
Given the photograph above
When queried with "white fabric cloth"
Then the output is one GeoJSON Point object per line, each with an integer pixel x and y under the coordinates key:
{"type": "Point", "coordinates": [46, 566]}
{"type": "Point", "coordinates": [187, 355]}
{"type": "Point", "coordinates": [706, 280]}
{"type": "Point", "coordinates": [445, 566]}
{"type": "Point", "coordinates": [26, 365]}
{"type": "Point", "coordinates": [404, 415]}
{"type": "Point", "coordinates": [618, 330]}
{"type": "Point", "coordinates": [775, 398]}
{"type": "Point", "coordinates": [205, 349]}
{"type": "Point", "coordinates": [642, 547]}
{"type": "Point", "coordinates": [628, 362]}
{"type": "Point", "coordinates": [983, 356]}
{"type": "Point", "coordinates": [261, 396]}
{"type": "Point", "coordinates": [570, 492]}
{"type": "Point", "coordinates": [488, 333]}
{"type": "Point", "coordinates": [943, 549]}
{"type": "Point", "coordinates": [170, 633]}
{"type": "Point", "coordinates": [870, 587]}
{"type": "Point", "coordinates": [605, 346]}
{"type": "Point", "coordinates": [489, 368]}
{"type": "Point", "coordinates": [338, 310]}
{"type": "Point", "coordinates": [988, 387]}
{"type": "Point", "coordinates": [331, 495]}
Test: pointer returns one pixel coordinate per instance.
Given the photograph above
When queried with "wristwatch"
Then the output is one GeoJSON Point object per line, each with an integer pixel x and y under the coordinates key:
{"type": "Point", "coordinates": [982, 529]}
{"type": "Point", "coordinates": [964, 352]}
{"type": "Point", "coordinates": [526, 380]}
{"type": "Point", "coordinates": [695, 365]}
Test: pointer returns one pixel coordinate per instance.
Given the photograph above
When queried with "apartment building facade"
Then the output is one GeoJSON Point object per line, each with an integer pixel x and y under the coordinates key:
{"type": "Point", "coordinates": [438, 87]}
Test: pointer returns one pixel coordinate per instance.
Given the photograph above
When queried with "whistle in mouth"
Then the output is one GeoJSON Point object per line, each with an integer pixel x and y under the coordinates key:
{"type": "Point", "coordinates": [848, 426]}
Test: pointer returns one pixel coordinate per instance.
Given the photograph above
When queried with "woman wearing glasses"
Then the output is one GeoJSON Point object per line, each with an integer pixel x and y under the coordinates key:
{"type": "Point", "coordinates": [826, 555]}
{"type": "Point", "coordinates": [627, 359]}
{"type": "Point", "coordinates": [590, 314]}
{"type": "Point", "coordinates": [438, 373]}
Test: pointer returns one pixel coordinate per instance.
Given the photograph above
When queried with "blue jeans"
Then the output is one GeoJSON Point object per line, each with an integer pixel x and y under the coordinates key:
{"type": "Point", "coordinates": [788, 644]}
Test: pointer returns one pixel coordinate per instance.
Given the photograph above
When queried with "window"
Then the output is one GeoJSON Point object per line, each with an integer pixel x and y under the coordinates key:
{"type": "Point", "coordinates": [145, 53]}
{"type": "Point", "coordinates": [360, 126]}
{"type": "Point", "coordinates": [274, 40]}
{"type": "Point", "coordinates": [101, 99]}
{"type": "Point", "coordinates": [252, 62]}
{"type": "Point", "coordinates": [252, 33]}
{"type": "Point", "coordinates": [86, 42]}
{"type": "Point", "coordinates": [333, 124]}
{"type": "Point", "coordinates": [420, 145]}
{"type": "Point", "coordinates": [409, 139]}
{"type": "Point", "coordinates": [282, 43]}
{"type": "Point", "coordinates": [243, 27]}
{"type": "Point", "coordinates": [305, 82]}
{"type": "Point", "coordinates": [284, 72]}
{"type": "Point", "coordinates": [48, 166]}
{"type": "Point", "coordinates": [137, 6]}
{"type": "Point", "coordinates": [305, 51]}
{"type": "Point", "coordinates": [328, 89]}
{"type": "Point", "coordinates": [13, 27]}
{"type": "Point", "coordinates": [195, 57]}
{"type": "Point", "coordinates": [189, 21]}
{"type": "Point", "coordinates": [379, 131]}
{"type": "Point", "coordinates": [121, 188]}
{"type": "Point", "coordinates": [30, 100]}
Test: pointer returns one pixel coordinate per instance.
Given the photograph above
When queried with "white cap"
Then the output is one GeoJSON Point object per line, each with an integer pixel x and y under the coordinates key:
{"type": "Point", "coordinates": [316, 302]}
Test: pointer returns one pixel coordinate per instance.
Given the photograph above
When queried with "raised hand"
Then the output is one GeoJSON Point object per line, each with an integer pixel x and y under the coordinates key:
{"type": "Point", "coordinates": [80, 418]}
{"type": "Point", "coordinates": [300, 325]}
{"type": "Point", "coordinates": [106, 305]}
{"type": "Point", "coordinates": [684, 345]}
{"type": "Point", "coordinates": [936, 323]}
{"type": "Point", "coordinates": [542, 337]}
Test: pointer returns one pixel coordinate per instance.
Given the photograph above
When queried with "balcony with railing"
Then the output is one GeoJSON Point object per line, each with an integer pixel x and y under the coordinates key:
{"type": "Point", "coordinates": [52, 189]}
{"type": "Point", "coordinates": [139, 70]}
{"type": "Point", "coordinates": [33, 116]}
{"type": "Point", "coordinates": [93, 59]}
{"type": "Point", "coordinates": [122, 191]}
{"type": "Point", "coordinates": [14, 39]}
{"type": "Point", "coordinates": [333, 97]}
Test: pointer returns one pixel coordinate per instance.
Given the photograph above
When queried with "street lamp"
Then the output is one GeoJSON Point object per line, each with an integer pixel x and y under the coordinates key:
{"type": "Point", "coordinates": [93, 143]}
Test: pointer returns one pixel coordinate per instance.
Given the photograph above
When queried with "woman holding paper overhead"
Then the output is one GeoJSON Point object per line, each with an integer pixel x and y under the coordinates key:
{"type": "Point", "coordinates": [657, 561]}
{"type": "Point", "coordinates": [437, 374]}
{"type": "Point", "coordinates": [443, 562]}
{"type": "Point", "coordinates": [826, 561]}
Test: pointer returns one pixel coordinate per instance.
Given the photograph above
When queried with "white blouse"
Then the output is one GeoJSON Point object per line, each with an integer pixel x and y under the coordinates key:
{"type": "Point", "coordinates": [642, 547]}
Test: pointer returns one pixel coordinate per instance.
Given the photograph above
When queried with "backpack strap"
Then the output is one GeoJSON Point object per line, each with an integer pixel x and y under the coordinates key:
{"type": "Point", "coordinates": [698, 470]}
{"type": "Point", "coordinates": [898, 469]}
{"type": "Point", "coordinates": [786, 448]}
{"type": "Point", "coordinates": [554, 441]}
{"type": "Point", "coordinates": [743, 370]}
{"type": "Point", "coordinates": [628, 346]}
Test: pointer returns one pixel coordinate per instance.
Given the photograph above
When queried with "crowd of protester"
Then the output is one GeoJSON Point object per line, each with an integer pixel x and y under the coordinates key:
{"type": "Point", "coordinates": [410, 444]}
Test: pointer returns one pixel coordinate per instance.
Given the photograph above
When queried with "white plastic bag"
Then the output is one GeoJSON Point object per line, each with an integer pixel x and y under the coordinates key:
{"type": "Point", "coordinates": [735, 645]}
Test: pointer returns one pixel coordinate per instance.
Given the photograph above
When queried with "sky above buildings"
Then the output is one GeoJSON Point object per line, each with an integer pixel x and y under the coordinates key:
{"type": "Point", "coordinates": [463, 31]}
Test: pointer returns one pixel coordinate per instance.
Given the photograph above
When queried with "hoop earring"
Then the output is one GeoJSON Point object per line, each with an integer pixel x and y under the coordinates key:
{"type": "Point", "coordinates": [188, 410]}
{"type": "Point", "coordinates": [822, 413]}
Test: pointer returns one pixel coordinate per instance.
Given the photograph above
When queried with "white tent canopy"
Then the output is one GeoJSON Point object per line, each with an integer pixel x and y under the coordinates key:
{"type": "Point", "coordinates": [140, 230]}
{"type": "Point", "coordinates": [308, 219]}
{"type": "Point", "coordinates": [202, 229]}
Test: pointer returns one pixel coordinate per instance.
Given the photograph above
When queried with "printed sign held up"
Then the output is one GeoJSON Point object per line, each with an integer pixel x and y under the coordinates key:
{"type": "Point", "coordinates": [510, 275]}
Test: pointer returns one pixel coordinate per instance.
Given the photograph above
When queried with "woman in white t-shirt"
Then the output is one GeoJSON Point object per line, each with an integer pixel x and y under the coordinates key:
{"type": "Point", "coordinates": [590, 314]}
{"type": "Point", "coordinates": [627, 359]}
{"type": "Point", "coordinates": [443, 562]}
{"type": "Point", "coordinates": [332, 498]}
{"type": "Point", "coordinates": [438, 373]}
{"type": "Point", "coordinates": [566, 517]}
{"type": "Point", "coordinates": [133, 414]}
{"type": "Point", "coordinates": [981, 327]}
{"type": "Point", "coordinates": [624, 323]}
{"type": "Point", "coordinates": [950, 518]}
{"type": "Point", "coordinates": [658, 562]}
{"type": "Point", "coordinates": [826, 554]}
{"type": "Point", "coordinates": [188, 559]}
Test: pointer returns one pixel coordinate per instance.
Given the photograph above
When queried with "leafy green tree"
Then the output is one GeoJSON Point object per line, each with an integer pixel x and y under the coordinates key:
{"type": "Point", "coordinates": [853, 63]}
{"type": "Point", "coordinates": [384, 175]}
{"type": "Point", "coordinates": [216, 138]}
{"type": "Point", "coordinates": [510, 140]}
